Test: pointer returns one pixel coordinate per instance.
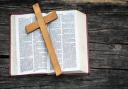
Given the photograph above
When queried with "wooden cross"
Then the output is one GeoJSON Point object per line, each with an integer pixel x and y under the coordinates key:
{"type": "Point", "coordinates": [41, 23]}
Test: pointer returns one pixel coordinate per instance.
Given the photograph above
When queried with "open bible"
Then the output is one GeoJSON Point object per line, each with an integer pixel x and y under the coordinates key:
{"type": "Point", "coordinates": [68, 32]}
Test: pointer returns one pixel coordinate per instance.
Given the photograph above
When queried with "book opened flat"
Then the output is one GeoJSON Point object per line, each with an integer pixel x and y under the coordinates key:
{"type": "Point", "coordinates": [56, 44]}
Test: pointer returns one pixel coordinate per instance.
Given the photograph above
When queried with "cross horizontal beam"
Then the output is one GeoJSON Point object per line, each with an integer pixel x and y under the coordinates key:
{"type": "Point", "coordinates": [48, 18]}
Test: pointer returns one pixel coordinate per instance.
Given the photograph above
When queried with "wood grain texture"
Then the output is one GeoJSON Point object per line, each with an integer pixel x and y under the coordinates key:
{"type": "Point", "coordinates": [98, 1]}
{"type": "Point", "coordinates": [108, 47]}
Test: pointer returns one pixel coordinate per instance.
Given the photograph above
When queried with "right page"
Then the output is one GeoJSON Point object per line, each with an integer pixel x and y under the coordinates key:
{"type": "Point", "coordinates": [62, 32]}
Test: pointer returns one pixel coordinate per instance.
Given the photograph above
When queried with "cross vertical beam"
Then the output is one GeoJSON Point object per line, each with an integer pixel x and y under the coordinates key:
{"type": "Point", "coordinates": [47, 39]}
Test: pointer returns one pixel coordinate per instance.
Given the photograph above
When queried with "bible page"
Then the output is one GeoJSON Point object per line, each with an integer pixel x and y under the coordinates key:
{"type": "Point", "coordinates": [62, 32]}
{"type": "Point", "coordinates": [32, 54]}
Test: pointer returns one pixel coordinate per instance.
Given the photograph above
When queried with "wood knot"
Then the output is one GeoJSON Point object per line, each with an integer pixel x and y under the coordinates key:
{"type": "Point", "coordinates": [117, 47]}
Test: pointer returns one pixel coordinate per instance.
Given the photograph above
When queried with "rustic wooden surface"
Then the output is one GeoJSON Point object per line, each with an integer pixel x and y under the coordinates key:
{"type": "Point", "coordinates": [108, 47]}
{"type": "Point", "coordinates": [98, 1]}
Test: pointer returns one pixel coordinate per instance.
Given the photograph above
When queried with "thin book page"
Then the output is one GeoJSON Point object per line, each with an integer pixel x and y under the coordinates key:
{"type": "Point", "coordinates": [13, 61]}
{"type": "Point", "coordinates": [82, 41]}
{"type": "Point", "coordinates": [62, 32]}
{"type": "Point", "coordinates": [32, 50]}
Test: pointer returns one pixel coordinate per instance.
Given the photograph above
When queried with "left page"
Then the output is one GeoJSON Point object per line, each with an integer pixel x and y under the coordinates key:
{"type": "Point", "coordinates": [31, 53]}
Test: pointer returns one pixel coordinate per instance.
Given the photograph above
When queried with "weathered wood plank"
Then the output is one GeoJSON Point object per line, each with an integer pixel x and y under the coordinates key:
{"type": "Point", "coordinates": [108, 56]}
{"type": "Point", "coordinates": [108, 28]}
{"type": "Point", "coordinates": [120, 2]}
{"type": "Point", "coordinates": [97, 79]}
{"type": "Point", "coordinates": [98, 1]}
{"type": "Point", "coordinates": [108, 40]}
{"type": "Point", "coordinates": [4, 40]}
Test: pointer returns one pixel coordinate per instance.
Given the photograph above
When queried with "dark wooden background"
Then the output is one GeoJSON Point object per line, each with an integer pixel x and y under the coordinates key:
{"type": "Point", "coordinates": [108, 47]}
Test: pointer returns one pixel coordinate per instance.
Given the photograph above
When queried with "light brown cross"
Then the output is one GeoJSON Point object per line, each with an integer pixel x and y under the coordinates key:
{"type": "Point", "coordinates": [41, 23]}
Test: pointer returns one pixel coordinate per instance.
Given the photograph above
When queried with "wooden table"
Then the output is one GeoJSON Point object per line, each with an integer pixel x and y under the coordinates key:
{"type": "Point", "coordinates": [108, 47]}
